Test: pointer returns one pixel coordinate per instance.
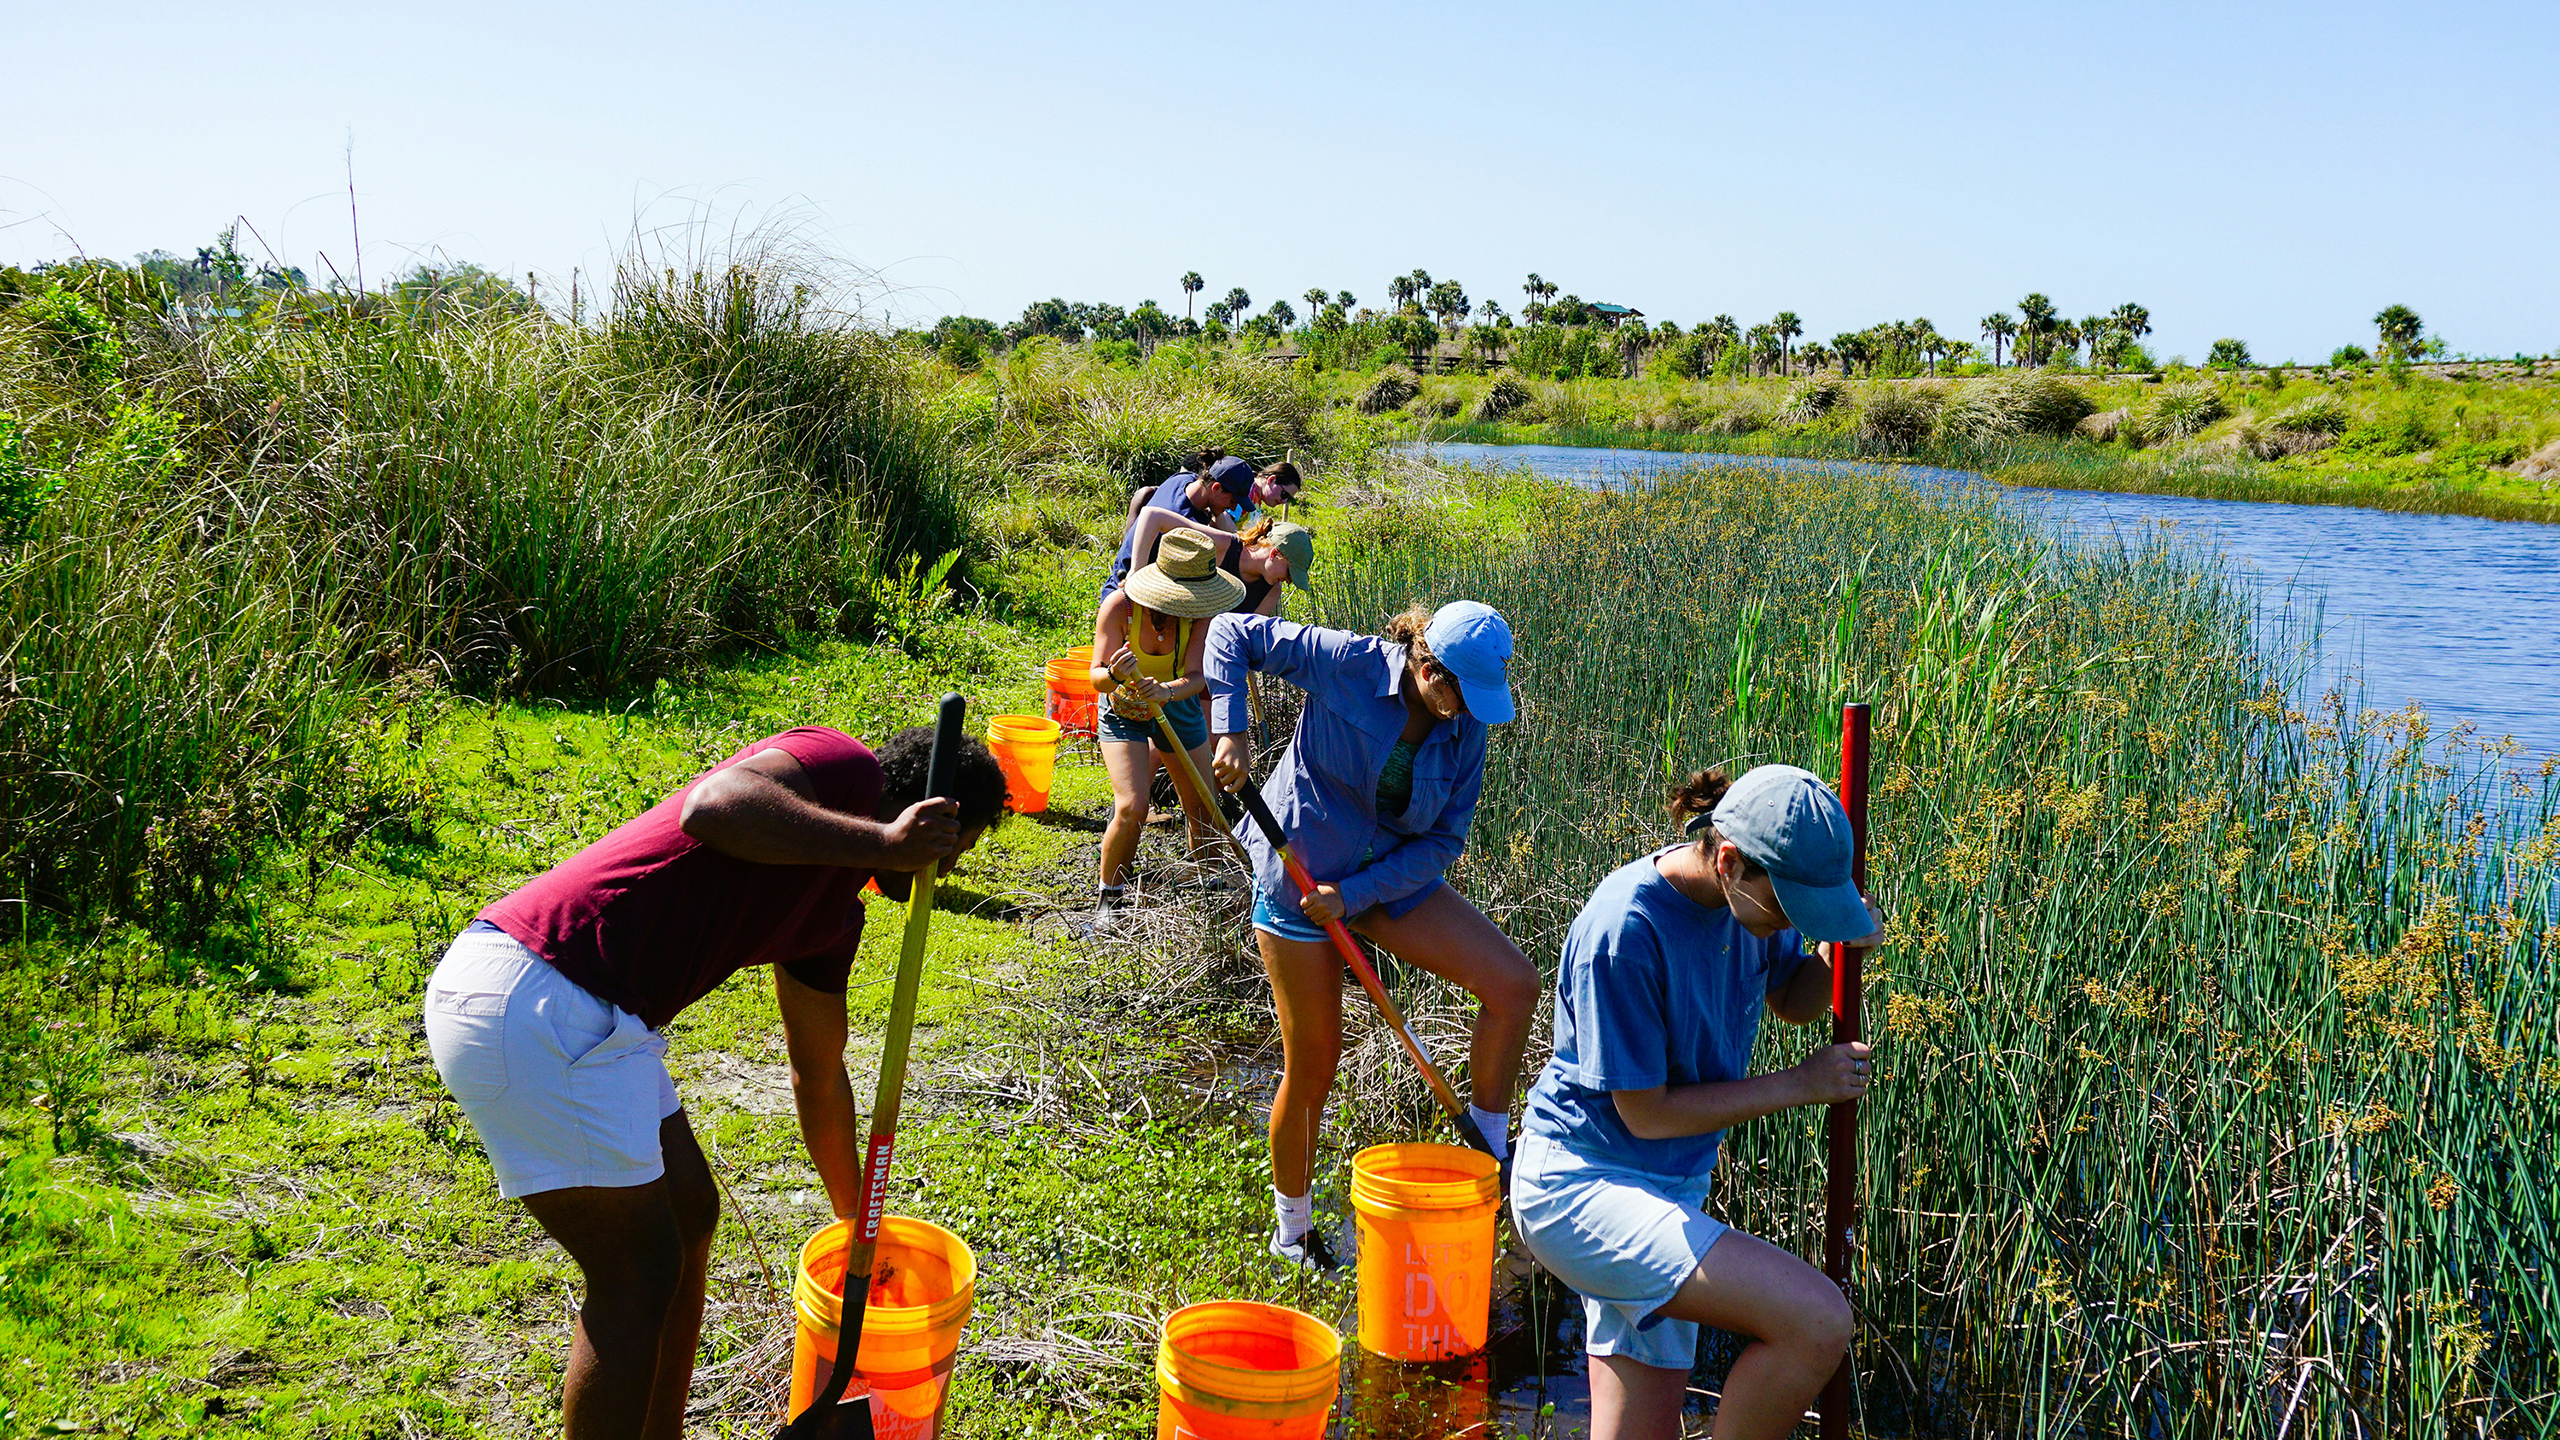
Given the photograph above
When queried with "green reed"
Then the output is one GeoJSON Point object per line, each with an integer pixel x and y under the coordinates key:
{"type": "Point", "coordinates": [2218, 1048]}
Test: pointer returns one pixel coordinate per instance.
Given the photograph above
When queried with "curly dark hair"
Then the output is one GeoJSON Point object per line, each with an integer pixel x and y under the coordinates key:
{"type": "Point", "coordinates": [1693, 800]}
{"type": "Point", "coordinates": [977, 781]}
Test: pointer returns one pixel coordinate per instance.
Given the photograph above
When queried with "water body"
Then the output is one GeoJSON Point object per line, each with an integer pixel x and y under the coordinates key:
{"type": "Point", "coordinates": [2457, 613]}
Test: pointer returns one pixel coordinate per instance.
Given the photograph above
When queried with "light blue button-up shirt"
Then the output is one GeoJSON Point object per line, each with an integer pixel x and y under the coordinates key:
{"type": "Point", "coordinates": [1325, 790]}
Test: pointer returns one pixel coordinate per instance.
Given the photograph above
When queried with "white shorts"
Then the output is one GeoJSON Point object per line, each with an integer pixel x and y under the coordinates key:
{"type": "Point", "coordinates": [1626, 1240]}
{"type": "Point", "coordinates": [563, 1088]}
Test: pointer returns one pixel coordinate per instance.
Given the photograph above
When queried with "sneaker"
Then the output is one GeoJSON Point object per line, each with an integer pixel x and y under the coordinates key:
{"type": "Point", "coordinates": [1110, 913]}
{"type": "Point", "coordinates": [1310, 1252]}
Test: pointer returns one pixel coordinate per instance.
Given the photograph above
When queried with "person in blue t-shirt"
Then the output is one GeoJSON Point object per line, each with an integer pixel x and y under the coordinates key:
{"type": "Point", "coordinates": [1658, 1002]}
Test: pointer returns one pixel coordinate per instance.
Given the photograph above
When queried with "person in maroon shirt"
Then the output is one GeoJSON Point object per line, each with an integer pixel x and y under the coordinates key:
{"type": "Point", "coordinates": [544, 1018]}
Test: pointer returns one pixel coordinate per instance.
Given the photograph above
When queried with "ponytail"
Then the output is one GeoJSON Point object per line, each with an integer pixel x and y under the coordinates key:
{"type": "Point", "coordinates": [1694, 800]}
{"type": "Point", "coordinates": [1407, 630]}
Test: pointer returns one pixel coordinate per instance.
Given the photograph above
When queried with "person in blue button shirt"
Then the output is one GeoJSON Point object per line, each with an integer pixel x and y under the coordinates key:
{"type": "Point", "coordinates": [1658, 1001]}
{"type": "Point", "coordinates": [1375, 793]}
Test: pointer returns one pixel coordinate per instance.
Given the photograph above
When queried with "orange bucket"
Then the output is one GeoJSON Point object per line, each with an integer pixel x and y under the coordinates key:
{"type": "Point", "coordinates": [1426, 1248]}
{"type": "Point", "coordinates": [1071, 698]}
{"type": "Point", "coordinates": [1237, 1370]}
{"type": "Point", "coordinates": [922, 1281]}
{"type": "Point", "coordinates": [1026, 749]}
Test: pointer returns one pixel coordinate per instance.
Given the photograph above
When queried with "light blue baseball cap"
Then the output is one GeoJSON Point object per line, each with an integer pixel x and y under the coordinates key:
{"type": "Point", "coordinates": [1473, 643]}
{"type": "Point", "coordinates": [1787, 822]}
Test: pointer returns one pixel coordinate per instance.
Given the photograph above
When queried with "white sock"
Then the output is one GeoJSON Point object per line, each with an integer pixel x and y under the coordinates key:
{"type": "Point", "coordinates": [1496, 1127]}
{"type": "Point", "coordinates": [1297, 1214]}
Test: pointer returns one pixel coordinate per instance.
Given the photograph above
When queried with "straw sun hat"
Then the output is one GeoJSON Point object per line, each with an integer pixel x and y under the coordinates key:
{"type": "Point", "coordinates": [1185, 579]}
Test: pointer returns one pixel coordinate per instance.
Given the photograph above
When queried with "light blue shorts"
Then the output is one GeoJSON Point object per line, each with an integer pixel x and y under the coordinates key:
{"type": "Point", "coordinates": [1625, 1240]}
{"type": "Point", "coordinates": [1273, 917]}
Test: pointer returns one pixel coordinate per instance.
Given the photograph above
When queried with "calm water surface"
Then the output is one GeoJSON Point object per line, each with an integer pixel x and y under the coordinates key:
{"type": "Point", "coordinates": [2459, 614]}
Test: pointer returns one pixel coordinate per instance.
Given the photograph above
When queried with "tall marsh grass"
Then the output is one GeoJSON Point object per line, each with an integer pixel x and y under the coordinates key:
{"type": "Point", "coordinates": [251, 522]}
{"type": "Point", "coordinates": [2218, 1056]}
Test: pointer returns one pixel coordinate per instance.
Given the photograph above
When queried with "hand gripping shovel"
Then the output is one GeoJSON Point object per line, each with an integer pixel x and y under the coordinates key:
{"type": "Point", "coordinates": [827, 1418]}
{"type": "Point", "coordinates": [1360, 968]}
{"type": "Point", "coordinates": [1848, 989]}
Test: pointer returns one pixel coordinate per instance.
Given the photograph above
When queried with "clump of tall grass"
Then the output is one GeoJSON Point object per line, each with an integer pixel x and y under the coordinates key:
{"type": "Point", "coordinates": [1812, 398]}
{"type": "Point", "coordinates": [1898, 419]}
{"type": "Point", "coordinates": [2219, 1034]}
{"type": "Point", "coordinates": [1392, 388]}
{"type": "Point", "coordinates": [246, 522]}
{"type": "Point", "coordinates": [2181, 412]}
{"type": "Point", "coordinates": [1500, 400]}
{"type": "Point", "coordinates": [1992, 408]}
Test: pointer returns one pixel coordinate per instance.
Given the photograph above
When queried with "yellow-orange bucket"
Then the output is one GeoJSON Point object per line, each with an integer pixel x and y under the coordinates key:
{"type": "Point", "coordinates": [1237, 1370]}
{"type": "Point", "coordinates": [1071, 694]}
{"type": "Point", "coordinates": [1026, 749]}
{"type": "Point", "coordinates": [922, 1281]}
{"type": "Point", "coordinates": [1426, 1248]}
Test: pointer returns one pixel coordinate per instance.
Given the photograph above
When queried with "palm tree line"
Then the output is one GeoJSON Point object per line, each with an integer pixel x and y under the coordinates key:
{"type": "Point", "coordinates": [1422, 312]}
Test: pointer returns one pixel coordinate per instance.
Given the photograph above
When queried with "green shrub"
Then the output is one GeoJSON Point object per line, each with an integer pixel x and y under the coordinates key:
{"type": "Point", "coordinates": [2228, 354]}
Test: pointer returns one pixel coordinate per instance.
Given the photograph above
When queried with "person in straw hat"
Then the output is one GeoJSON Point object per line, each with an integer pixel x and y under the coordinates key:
{"type": "Point", "coordinates": [1148, 641]}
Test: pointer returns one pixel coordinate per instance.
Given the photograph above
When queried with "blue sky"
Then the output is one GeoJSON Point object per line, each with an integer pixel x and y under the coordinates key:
{"type": "Point", "coordinates": [2274, 172]}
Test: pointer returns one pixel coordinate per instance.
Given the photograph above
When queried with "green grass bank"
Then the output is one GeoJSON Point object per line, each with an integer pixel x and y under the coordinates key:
{"type": "Point", "coordinates": [2479, 446]}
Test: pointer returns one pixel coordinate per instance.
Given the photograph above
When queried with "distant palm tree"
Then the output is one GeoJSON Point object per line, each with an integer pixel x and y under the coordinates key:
{"type": "Point", "coordinates": [2035, 321]}
{"type": "Point", "coordinates": [1219, 312]}
{"type": "Point", "coordinates": [1316, 301]}
{"type": "Point", "coordinates": [1237, 301]}
{"type": "Point", "coordinates": [1788, 327]}
{"type": "Point", "coordinates": [1997, 327]}
{"type": "Point", "coordinates": [2096, 330]}
{"type": "Point", "coordinates": [1343, 299]}
{"type": "Point", "coordinates": [1448, 300]}
{"type": "Point", "coordinates": [2399, 328]}
{"type": "Point", "coordinates": [1930, 342]}
{"type": "Point", "coordinates": [1401, 290]}
{"type": "Point", "coordinates": [1720, 332]}
{"type": "Point", "coordinates": [2131, 321]}
{"type": "Point", "coordinates": [1191, 284]}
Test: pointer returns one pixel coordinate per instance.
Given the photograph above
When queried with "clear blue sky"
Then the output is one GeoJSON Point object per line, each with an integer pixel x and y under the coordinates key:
{"type": "Point", "coordinates": [2275, 172]}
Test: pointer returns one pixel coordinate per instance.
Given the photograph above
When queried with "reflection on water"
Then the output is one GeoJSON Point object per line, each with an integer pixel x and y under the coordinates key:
{"type": "Point", "coordinates": [2459, 614]}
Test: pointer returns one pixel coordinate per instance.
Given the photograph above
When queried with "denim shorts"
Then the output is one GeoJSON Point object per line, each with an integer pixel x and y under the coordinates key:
{"type": "Point", "coordinates": [1624, 1239]}
{"type": "Point", "coordinates": [1272, 917]}
{"type": "Point", "coordinates": [1188, 722]}
{"type": "Point", "coordinates": [565, 1089]}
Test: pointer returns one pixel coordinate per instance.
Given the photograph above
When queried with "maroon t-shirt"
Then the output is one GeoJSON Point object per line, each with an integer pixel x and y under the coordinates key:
{"type": "Point", "coordinates": [652, 919]}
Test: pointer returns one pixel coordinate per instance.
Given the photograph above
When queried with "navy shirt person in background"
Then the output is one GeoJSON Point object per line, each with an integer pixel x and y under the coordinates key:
{"type": "Point", "coordinates": [1224, 496]}
{"type": "Point", "coordinates": [1658, 1001]}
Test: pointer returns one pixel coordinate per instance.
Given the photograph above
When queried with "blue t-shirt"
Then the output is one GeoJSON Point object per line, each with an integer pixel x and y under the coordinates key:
{"type": "Point", "coordinates": [1656, 989]}
{"type": "Point", "coordinates": [1172, 495]}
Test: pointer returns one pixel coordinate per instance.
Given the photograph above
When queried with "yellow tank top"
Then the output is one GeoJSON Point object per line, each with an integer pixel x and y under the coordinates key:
{"type": "Point", "coordinates": [1163, 669]}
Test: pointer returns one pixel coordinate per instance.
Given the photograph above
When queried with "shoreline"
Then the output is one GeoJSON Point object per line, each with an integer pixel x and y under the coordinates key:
{"type": "Point", "coordinates": [2066, 465]}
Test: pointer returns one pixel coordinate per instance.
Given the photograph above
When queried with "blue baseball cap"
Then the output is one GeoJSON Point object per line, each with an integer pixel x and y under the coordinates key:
{"type": "Point", "coordinates": [1787, 822]}
{"type": "Point", "coordinates": [1473, 643]}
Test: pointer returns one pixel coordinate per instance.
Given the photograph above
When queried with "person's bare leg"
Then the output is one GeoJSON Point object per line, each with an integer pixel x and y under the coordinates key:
{"type": "Point", "coordinates": [630, 1252]}
{"type": "Point", "coordinates": [1799, 1324]}
{"type": "Point", "coordinates": [1631, 1400]}
{"type": "Point", "coordinates": [1131, 767]}
{"type": "Point", "coordinates": [1306, 983]}
{"type": "Point", "coordinates": [695, 1200]}
{"type": "Point", "coordinates": [1451, 938]}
